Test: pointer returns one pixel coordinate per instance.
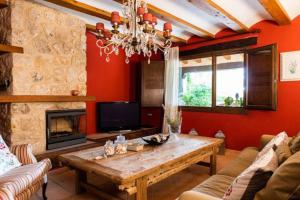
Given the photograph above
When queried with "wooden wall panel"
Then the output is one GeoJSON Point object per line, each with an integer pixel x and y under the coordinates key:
{"type": "Point", "coordinates": [152, 94]}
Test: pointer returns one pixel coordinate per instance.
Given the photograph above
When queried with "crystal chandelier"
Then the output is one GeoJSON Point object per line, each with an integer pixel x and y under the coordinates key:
{"type": "Point", "coordinates": [138, 35]}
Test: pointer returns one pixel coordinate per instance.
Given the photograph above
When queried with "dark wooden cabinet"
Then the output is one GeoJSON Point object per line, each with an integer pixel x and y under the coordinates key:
{"type": "Point", "coordinates": [152, 84]}
{"type": "Point", "coordinates": [152, 117]}
{"type": "Point", "coordinates": [262, 69]}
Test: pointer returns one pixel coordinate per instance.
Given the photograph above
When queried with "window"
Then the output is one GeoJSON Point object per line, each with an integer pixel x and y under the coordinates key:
{"type": "Point", "coordinates": [196, 82]}
{"type": "Point", "coordinates": [230, 80]}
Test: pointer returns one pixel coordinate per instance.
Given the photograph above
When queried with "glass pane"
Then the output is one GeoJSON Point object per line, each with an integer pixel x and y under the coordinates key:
{"type": "Point", "coordinates": [196, 82]}
{"type": "Point", "coordinates": [230, 80]}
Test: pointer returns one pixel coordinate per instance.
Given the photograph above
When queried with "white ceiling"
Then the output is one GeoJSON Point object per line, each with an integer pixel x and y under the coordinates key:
{"type": "Point", "coordinates": [292, 7]}
{"type": "Point", "coordinates": [196, 12]}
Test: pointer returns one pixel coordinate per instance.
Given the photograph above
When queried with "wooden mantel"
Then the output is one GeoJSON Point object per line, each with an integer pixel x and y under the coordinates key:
{"type": "Point", "coordinates": [10, 49]}
{"type": "Point", "coordinates": [3, 3]}
{"type": "Point", "coordinates": [44, 98]}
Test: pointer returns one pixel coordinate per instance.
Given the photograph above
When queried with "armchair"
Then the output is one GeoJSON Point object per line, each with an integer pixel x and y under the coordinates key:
{"type": "Point", "coordinates": [22, 182]}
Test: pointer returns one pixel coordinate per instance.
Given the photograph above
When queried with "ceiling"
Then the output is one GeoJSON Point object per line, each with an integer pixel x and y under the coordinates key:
{"type": "Point", "coordinates": [203, 18]}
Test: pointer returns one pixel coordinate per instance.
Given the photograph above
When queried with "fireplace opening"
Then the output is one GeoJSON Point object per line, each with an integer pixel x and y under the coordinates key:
{"type": "Point", "coordinates": [65, 128]}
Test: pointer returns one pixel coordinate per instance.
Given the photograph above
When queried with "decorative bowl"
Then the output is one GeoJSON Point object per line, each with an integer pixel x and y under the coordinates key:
{"type": "Point", "coordinates": [75, 92]}
{"type": "Point", "coordinates": [158, 139]}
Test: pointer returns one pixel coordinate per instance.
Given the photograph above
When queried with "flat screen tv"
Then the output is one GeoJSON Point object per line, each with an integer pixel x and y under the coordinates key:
{"type": "Point", "coordinates": [115, 116]}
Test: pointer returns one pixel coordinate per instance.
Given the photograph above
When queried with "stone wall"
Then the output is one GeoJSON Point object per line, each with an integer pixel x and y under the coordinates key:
{"type": "Point", "coordinates": [5, 59]}
{"type": "Point", "coordinates": [53, 63]}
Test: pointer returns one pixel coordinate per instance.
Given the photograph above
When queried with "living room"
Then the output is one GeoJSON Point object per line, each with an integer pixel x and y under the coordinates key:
{"type": "Point", "coordinates": [158, 100]}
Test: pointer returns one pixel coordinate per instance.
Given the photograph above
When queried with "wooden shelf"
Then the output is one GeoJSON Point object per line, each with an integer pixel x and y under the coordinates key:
{"type": "Point", "coordinates": [44, 98]}
{"type": "Point", "coordinates": [10, 49]}
{"type": "Point", "coordinates": [3, 4]}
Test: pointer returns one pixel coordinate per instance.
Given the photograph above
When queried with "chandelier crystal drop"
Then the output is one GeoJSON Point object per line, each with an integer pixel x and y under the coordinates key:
{"type": "Point", "coordinates": [138, 35]}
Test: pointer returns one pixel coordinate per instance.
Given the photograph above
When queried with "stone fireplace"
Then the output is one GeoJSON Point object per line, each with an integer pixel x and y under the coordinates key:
{"type": "Point", "coordinates": [53, 63]}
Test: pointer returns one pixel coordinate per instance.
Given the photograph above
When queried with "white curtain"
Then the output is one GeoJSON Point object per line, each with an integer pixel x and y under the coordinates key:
{"type": "Point", "coordinates": [171, 86]}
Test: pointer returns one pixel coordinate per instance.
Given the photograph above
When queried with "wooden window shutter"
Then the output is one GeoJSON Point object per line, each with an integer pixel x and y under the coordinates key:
{"type": "Point", "coordinates": [262, 67]}
{"type": "Point", "coordinates": [152, 94]}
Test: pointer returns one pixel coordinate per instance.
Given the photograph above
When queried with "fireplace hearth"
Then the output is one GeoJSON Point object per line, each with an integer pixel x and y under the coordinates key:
{"type": "Point", "coordinates": [65, 128]}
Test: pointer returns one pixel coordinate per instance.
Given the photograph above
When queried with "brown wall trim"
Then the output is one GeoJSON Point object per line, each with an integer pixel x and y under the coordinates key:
{"type": "Point", "coordinates": [221, 46]}
{"type": "Point", "coordinates": [217, 109]}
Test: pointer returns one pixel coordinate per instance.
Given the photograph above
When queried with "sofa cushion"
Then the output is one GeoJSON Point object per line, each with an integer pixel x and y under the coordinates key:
{"type": "Point", "coordinates": [283, 152]}
{"type": "Point", "coordinates": [192, 195]}
{"type": "Point", "coordinates": [215, 186]}
{"type": "Point", "coordinates": [254, 178]}
{"type": "Point", "coordinates": [285, 181]}
{"type": "Point", "coordinates": [295, 144]}
{"type": "Point", "coordinates": [243, 161]}
{"type": "Point", "coordinates": [19, 179]}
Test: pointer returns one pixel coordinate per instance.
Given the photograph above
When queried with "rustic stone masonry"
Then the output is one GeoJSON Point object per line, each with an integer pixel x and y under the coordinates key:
{"type": "Point", "coordinates": [5, 59]}
{"type": "Point", "coordinates": [53, 63]}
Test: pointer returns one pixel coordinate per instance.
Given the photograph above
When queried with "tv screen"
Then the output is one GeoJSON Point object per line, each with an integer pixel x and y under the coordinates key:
{"type": "Point", "coordinates": [114, 116]}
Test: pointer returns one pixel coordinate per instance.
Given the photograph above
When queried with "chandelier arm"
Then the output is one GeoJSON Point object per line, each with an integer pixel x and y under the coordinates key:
{"type": "Point", "coordinates": [113, 46]}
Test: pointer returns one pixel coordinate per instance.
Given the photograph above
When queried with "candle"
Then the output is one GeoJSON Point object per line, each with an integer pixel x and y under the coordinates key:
{"type": "Point", "coordinates": [115, 18]}
{"type": "Point", "coordinates": [154, 20]}
{"type": "Point", "coordinates": [100, 26]}
{"type": "Point", "coordinates": [147, 17]}
{"type": "Point", "coordinates": [140, 11]}
{"type": "Point", "coordinates": [168, 26]}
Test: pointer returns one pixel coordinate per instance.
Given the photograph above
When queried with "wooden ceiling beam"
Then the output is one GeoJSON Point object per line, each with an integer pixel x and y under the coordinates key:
{"type": "Point", "coordinates": [277, 11]}
{"type": "Point", "coordinates": [189, 27]}
{"type": "Point", "coordinates": [228, 15]}
{"type": "Point", "coordinates": [81, 7]}
{"type": "Point", "coordinates": [96, 12]}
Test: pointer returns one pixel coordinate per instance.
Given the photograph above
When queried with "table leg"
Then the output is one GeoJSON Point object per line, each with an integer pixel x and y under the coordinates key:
{"type": "Point", "coordinates": [80, 176]}
{"type": "Point", "coordinates": [141, 186]}
{"type": "Point", "coordinates": [213, 162]}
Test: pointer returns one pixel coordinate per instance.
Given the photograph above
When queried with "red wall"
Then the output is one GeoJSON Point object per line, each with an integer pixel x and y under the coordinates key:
{"type": "Point", "coordinates": [112, 81]}
{"type": "Point", "coordinates": [117, 81]}
{"type": "Point", "coordinates": [245, 130]}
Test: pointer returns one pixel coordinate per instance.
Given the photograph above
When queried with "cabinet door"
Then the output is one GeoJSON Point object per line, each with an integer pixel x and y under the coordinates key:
{"type": "Point", "coordinates": [152, 94]}
{"type": "Point", "coordinates": [262, 67]}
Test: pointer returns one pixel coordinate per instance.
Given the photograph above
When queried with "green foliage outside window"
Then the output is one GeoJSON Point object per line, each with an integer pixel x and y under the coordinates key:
{"type": "Point", "coordinates": [196, 95]}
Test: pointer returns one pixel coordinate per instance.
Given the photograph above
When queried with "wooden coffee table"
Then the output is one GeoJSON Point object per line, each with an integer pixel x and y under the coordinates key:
{"type": "Point", "coordinates": [134, 172]}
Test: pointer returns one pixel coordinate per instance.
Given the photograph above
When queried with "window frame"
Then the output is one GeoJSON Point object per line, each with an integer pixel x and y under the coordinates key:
{"type": "Point", "coordinates": [214, 108]}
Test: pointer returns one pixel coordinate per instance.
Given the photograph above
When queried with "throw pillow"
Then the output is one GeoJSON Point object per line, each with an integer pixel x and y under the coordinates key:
{"type": "Point", "coordinates": [253, 179]}
{"type": "Point", "coordinates": [295, 144]}
{"type": "Point", "coordinates": [285, 181]}
{"type": "Point", "coordinates": [3, 146]}
{"type": "Point", "coordinates": [8, 160]}
{"type": "Point", "coordinates": [277, 140]}
{"type": "Point", "coordinates": [283, 152]}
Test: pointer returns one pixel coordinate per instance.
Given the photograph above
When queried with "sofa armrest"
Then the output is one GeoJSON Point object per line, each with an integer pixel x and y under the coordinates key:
{"type": "Point", "coordinates": [192, 195]}
{"type": "Point", "coordinates": [5, 194]}
{"type": "Point", "coordinates": [24, 153]}
{"type": "Point", "coordinates": [267, 138]}
{"type": "Point", "coordinates": [264, 139]}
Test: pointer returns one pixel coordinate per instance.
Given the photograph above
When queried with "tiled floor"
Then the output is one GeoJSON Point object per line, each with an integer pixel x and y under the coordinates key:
{"type": "Point", "coordinates": [61, 182]}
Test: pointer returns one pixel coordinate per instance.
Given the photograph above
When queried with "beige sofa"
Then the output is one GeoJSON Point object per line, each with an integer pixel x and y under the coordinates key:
{"type": "Point", "coordinates": [215, 187]}
{"type": "Point", "coordinates": [22, 182]}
